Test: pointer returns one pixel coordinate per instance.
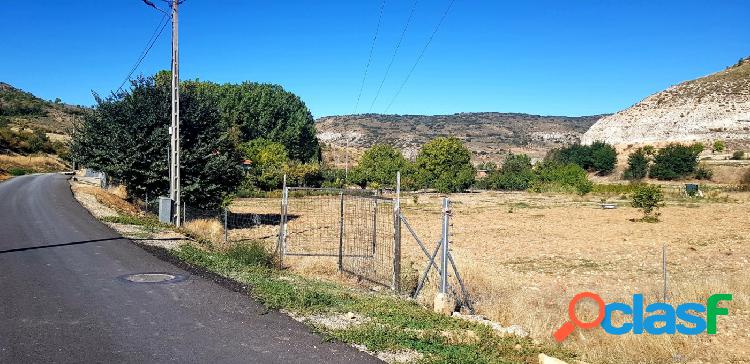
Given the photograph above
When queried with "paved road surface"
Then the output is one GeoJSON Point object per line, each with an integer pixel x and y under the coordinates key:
{"type": "Point", "coordinates": [61, 299]}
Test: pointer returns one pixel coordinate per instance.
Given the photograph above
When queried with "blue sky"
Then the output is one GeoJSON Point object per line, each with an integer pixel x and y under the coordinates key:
{"type": "Point", "coordinates": [543, 57]}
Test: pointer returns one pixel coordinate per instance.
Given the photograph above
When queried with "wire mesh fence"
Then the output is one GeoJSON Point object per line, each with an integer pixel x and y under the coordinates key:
{"type": "Point", "coordinates": [360, 230]}
{"type": "Point", "coordinates": [357, 227]}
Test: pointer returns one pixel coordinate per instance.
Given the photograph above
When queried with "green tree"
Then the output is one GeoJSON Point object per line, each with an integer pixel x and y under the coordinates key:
{"type": "Point", "coordinates": [304, 174]}
{"type": "Point", "coordinates": [379, 165]}
{"type": "Point", "coordinates": [268, 161]}
{"type": "Point", "coordinates": [445, 165]}
{"type": "Point", "coordinates": [255, 110]}
{"type": "Point", "coordinates": [126, 136]}
{"type": "Point", "coordinates": [598, 157]}
{"type": "Point", "coordinates": [637, 165]}
{"type": "Point", "coordinates": [603, 157]}
{"type": "Point", "coordinates": [674, 161]}
{"type": "Point", "coordinates": [516, 174]}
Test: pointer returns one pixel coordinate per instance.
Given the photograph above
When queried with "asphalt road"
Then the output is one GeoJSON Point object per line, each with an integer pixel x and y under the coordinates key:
{"type": "Point", "coordinates": [61, 299]}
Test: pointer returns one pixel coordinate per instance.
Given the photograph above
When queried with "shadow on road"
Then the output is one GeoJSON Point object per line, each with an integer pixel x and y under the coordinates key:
{"type": "Point", "coordinates": [16, 250]}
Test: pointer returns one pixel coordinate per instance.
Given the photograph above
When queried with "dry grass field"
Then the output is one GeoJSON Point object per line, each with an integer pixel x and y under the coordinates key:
{"type": "Point", "coordinates": [525, 255]}
{"type": "Point", "coordinates": [29, 164]}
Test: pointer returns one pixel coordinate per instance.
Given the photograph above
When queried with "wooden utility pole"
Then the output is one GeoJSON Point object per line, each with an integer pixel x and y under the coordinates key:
{"type": "Point", "coordinates": [174, 168]}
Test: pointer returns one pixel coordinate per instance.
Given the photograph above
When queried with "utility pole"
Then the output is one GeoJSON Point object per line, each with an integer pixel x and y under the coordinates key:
{"type": "Point", "coordinates": [174, 167]}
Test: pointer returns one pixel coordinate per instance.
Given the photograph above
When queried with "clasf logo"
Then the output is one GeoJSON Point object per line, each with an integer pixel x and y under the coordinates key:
{"type": "Point", "coordinates": [657, 318]}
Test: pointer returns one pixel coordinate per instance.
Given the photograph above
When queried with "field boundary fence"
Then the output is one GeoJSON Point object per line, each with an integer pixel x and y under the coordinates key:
{"type": "Point", "coordinates": [362, 229]}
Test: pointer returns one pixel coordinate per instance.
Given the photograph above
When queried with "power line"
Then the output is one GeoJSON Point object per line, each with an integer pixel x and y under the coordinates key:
{"type": "Point", "coordinates": [395, 51]}
{"type": "Point", "coordinates": [369, 58]}
{"type": "Point", "coordinates": [421, 54]}
{"type": "Point", "coordinates": [154, 37]}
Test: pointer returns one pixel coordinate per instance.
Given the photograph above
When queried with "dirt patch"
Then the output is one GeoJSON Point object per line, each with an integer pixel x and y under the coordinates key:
{"type": "Point", "coordinates": [87, 198]}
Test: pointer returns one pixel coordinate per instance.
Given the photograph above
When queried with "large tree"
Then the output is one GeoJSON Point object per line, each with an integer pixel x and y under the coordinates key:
{"type": "Point", "coordinates": [256, 110]}
{"type": "Point", "coordinates": [445, 165]}
{"type": "Point", "coordinates": [126, 136]}
{"type": "Point", "coordinates": [675, 161]}
{"type": "Point", "coordinates": [378, 166]}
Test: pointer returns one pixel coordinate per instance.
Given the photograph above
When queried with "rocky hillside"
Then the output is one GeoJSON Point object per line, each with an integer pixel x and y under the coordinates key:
{"type": "Point", "coordinates": [713, 107]}
{"type": "Point", "coordinates": [21, 109]}
{"type": "Point", "coordinates": [489, 135]}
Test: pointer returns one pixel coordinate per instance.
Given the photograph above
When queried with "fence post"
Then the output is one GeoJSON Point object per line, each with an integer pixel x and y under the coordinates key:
{"type": "Point", "coordinates": [282, 223]}
{"type": "Point", "coordinates": [341, 231]}
{"type": "Point", "coordinates": [375, 224]}
{"type": "Point", "coordinates": [397, 236]}
{"type": "Point", "coordinates": [444, 247]}
{"type": "Point", "coordinates": [184, 212]}
{"type": "Point", "coordinates": [664, 268]}
{"type": "Point", "coordinates": [226, 231]}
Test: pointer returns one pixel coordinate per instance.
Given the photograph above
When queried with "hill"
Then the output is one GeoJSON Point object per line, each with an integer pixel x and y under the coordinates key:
{"type": "Point", "coordinates": [23, 110]}
{"type": "Point", "coordinates": [489, 135]}
{"type": "Point", "coordinates": [713, 107]}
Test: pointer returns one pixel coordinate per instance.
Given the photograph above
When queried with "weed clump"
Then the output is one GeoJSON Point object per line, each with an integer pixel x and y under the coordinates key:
{"type": "Point", "coordinates": [253, 253]}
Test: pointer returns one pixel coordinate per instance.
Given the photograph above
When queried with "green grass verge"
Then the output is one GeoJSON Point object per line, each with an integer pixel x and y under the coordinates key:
{"type": "Point", "coordinates": [394, 324]}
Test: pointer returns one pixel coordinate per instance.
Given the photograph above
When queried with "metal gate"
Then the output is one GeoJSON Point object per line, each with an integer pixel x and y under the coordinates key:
{"type": "Point", "coordinates": [359, 228]}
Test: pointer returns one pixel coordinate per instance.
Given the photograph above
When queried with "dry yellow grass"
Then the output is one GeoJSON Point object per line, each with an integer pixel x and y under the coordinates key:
{"type": "Point", "coordinates": [525, 255]}
{"type": "Point", "coordinates": [110, 199]}
{"type": "Point", "coordinates": [34, 164]}
{"type": "Point", "coordinates": [207, 229]}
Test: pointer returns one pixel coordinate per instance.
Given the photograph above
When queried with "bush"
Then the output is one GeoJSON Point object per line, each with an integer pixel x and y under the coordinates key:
{"type": "Point", "coordinates": [703, 172]}
{"type": "Point", "coordinates": [718, 146]}
{"type": "Point", "coordinates": [637, 165]}
{"type": "Point", "coordinates": [17, 171]}
{"type": "Point", "coordinates": [516, 174]}
{"type": "Point", "coordinates": [674, 161]}
{"type": "Point", "coordinates": [253, 253]}
{"type": "Point", "coordinates": [28, 142]}
{"type": "Point", "coordinates": [738, 155]}
{"type": "Point", "coordinates": [648, 198]}
{"type": "Point", "coordinates": [445, 165]}
{"type": "Point", "coordinates": [598, 157]}
{"type": "Point", "coordinates": [556, 177]}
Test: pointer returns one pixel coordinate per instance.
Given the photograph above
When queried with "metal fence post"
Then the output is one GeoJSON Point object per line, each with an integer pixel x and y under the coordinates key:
{"type": "Point", "coordinates": [664, 268]}
{"type": "Point", "coordinates": [184, 212]}
{"type": "Point", "coordinates": [375, 224]}
{"type": "Point", "coordinates": [226, 231]}
{"type": "Point", "coordinates": [397, 236]}
{"type": "Point", "coordinates": [282, 223]}
{"type": "Point", "coordinates": [444, 247]}
{"type": "Point", "coordinates": [341, 231]}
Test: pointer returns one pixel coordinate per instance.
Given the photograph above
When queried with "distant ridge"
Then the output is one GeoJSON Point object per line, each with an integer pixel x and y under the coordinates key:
{"type": "Point", "coordinates": [490, 135]}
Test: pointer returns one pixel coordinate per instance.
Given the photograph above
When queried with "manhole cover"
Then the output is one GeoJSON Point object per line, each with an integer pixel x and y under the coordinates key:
{"type": "Point", "coordinates": [156, 277]}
